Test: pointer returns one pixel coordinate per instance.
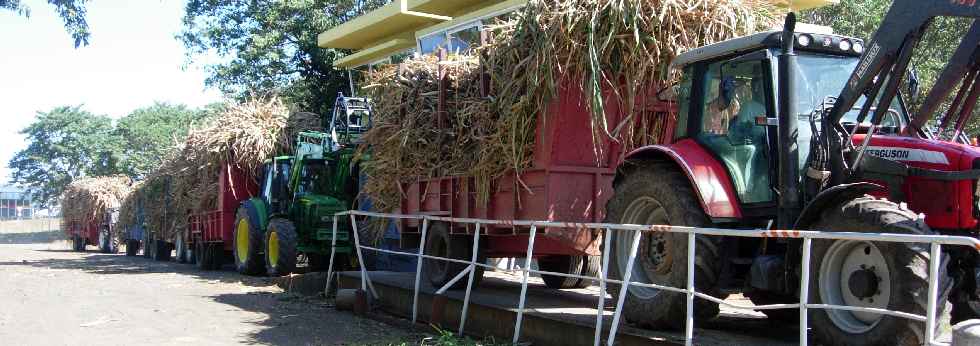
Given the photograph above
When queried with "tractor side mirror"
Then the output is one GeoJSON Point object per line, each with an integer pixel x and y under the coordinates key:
{"type": "Point", "coordinates": [913, 86]}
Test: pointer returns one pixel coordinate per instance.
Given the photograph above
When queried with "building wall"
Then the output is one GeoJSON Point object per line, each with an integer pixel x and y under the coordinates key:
{"type": "Point", "coordinates": [15, 204]}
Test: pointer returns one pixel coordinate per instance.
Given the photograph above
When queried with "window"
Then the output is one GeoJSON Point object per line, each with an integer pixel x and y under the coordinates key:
{"type": "Point", "coordinates": [735, 93]}
{"type": "Point", "coordinates": [462, 40]}
{"type": "Point", "coordinates": [431, 43]}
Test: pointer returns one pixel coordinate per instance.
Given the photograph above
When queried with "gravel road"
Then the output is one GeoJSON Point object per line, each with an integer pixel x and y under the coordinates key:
{"type": "Point", "coordinates": [51, 296]}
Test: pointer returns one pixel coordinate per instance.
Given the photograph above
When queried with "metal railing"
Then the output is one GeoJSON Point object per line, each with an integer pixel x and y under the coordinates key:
{"type": "Point", "coordinates": [930, 319]}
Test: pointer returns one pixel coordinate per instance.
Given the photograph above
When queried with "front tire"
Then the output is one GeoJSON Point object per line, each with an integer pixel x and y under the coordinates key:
{"type": "Point", "coordinates": [280, 247]}
{"type": "Point", "coordinates": [887, 275]}
{"type": "Point", "coordinates": [249, 243]}
{"type": "Point", "coordinates": [132, 247]}
{"type": "Point", "coordinates": [657, 193]}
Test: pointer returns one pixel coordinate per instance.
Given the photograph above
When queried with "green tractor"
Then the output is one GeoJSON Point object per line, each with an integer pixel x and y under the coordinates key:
{"type": "Point", "coordinates": [293, 215]}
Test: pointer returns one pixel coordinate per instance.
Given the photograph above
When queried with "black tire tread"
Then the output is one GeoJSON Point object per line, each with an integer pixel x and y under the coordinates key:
{"type": "Point", "coordinates": [255, 259]}
{"type": "Point", "coordinates": [666, 181]}
{"type": "Point", "coordinates": [862, 214]}
{"type": "Point", "coordinates": [286, 232]}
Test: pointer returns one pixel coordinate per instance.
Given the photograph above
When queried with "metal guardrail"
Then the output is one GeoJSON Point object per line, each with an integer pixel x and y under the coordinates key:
{"type": "Point", "coordinates": [935, 241]}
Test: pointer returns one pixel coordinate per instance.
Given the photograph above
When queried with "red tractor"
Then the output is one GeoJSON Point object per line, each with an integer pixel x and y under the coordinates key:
{"type": "Point", "coordinates": [794, 130]}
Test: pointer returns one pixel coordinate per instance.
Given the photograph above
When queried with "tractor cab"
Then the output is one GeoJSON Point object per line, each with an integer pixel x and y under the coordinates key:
{"type": "Point", "coordinates": [728, 103]}
{"type": "Point", "coordinates": [351, 118]}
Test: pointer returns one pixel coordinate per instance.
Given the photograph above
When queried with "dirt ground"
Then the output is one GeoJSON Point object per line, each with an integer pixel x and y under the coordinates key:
{"type": "Point", "coordinates": [51, 296]}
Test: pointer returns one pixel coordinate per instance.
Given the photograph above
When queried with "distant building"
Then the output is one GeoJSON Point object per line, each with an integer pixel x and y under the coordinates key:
{"type": "Point", "coordinates": [15, 203]}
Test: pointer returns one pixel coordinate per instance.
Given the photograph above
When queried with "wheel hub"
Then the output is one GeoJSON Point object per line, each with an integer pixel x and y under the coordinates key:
{"type": "Point", "coordinates": [854, 273]}
{"type": "Point", "coordinates": [863, 283]}
{"type": "Point", "coordinates": [654, 260]}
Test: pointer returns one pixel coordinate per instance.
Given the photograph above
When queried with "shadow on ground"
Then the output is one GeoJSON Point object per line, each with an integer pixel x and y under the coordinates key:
{"type": "Point", "coordinates": [115, 264]}
{"type": "Point", "coordinates": [31, 237]}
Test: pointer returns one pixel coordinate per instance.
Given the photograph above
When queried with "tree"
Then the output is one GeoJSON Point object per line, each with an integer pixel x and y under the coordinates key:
{"type": "Point", "coordinates": [149, 133]}
{"type": "Point", "coordinates": [65, 144]}
{"type": "Point", "coordinates": [860, 18]}
{"type": "Point", "coordinates": [72, 12]}
{"type": "Point", "coordinates": [270, 46]}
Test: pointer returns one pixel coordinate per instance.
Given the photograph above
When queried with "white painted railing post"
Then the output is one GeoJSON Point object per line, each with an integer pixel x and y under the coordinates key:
{"type": "Point", "coordinates": [333, 251]}
{"type": "Point", "coordinates": [805, 289]}
{"type": "Point", "coordinates": [365, 281]}
{"type": "Point", "coordinates": [418, 271]}
{"type": "Point", "coordinates": [469, 285]}
{"type": "Point", "coordinates": [624, 288]}
{"type": "Point", "coordinates": [689, 322]}
{"type": "Point", "coordinates": [934, 261]}
{"type": "Point", "coordinates": [602, 287]}
{"type": "Point", "coordinates": [527, 266]}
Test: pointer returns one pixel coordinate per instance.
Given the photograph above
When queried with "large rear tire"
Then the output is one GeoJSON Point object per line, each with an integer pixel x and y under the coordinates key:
{"type": "Point", "coordinates": [885, 275]}
{"type": "Point", "coordinates": [441, 243]}
{"type": "Point", "coordinates": [280, 247]}
{"type": "Point", "coordinates": [565, 265]}
{"type": "Point", "coordinates": [657, 193]}
{"type": "Point", "coordinates": [249, 241]}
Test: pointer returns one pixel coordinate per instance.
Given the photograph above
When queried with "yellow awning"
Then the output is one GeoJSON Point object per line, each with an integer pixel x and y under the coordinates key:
{"type": "Point", "coordinates": [391, 20]}
{"type": "Point", "coordinates": [798, 5]}
{"type": "Point", "coordinates": [375, 53]}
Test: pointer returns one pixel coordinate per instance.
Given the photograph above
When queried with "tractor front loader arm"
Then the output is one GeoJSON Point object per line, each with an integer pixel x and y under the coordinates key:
{"type": "Point", "coordinates": [882, 68]}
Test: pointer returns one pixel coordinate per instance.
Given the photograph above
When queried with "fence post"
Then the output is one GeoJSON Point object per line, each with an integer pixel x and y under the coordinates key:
{"type": "Point", "coordinates": [602, 286]}
{"type": "Point", "coordinates": [689, 322]}
{"type": "Point", "coordinates": [804, 289]}
{"type": "Point", "coordinates": [624, 288]}
{"type": "Point", "coordinates": [934, 260]}
{"type": "Point", "coordinates": [360, 258]}
{"type": "Point", "coordinates": [333, 250]}
{"type": "Point", "coordinates": [469, 285]}
{"type": "Point", "coordinates": [418, 271]}
{"type": "Point", "coordinates": [527, 266]}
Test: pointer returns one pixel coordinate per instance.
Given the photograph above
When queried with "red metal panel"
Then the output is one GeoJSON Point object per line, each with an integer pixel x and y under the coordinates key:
{"type": "Point", "coordinates": [235, 185]}
{"type": "Point", "coordinates": [710, 179]}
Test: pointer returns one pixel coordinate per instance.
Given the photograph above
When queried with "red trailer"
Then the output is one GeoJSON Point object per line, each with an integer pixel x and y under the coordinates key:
{"type": "Point", "coordinates": [81, 233]}
{"type": "Point", "coordinates": [570, 180]}
{"type": "Point", "coordinates": [98, 231]}
{"type": "Point", "coordinates": [209, 233]}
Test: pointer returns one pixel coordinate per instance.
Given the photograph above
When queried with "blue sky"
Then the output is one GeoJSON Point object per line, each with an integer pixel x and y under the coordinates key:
{"type": "Point", "coordinates": [132, 60]}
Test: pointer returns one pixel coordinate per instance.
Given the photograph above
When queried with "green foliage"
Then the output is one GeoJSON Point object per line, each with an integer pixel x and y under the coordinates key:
{"type": "Point", "coordinates": [148, 134]}
{"type": "Point", "coordinates": [72, 12]}
{"type": "Point", "coordinates": [860, 18]}
{"type": "Point", "coordinates": [66, 143]}
{"type": "Point", "coordinates": [270, 46]}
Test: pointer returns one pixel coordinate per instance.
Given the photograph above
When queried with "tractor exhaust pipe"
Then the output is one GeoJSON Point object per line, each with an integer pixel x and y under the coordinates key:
{"type": "Point", "coordinates": [789, 156]}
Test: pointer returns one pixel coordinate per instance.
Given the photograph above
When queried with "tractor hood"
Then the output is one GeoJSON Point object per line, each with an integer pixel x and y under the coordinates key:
{"type": "Point", "coordinates": [922, 153]}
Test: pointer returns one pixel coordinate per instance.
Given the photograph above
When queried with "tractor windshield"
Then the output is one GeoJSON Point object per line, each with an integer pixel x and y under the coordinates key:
{"type": "Point", "coordinates": [822, 75]}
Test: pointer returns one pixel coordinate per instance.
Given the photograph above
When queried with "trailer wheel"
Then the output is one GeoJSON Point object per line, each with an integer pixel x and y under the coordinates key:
{"type": "Point", "coordinates": [106, 242]}
{"type": "Point", "coordinates": [132, 247]}
{"type": "Point", "coordinates": [201, 250]}
{"type": "Point", "coordinates": [565, 265]}
{"type": "Point", "coordinates": [892, 276]}
{"type": "Point", "coordinates": [78, 243]}
{"type": "Point", "coordinates": [161, 250]}
{"type": "Point", "coordinates": [147, 245]}
{"type": "Point", "coordinates": [280, 247]}
{"type": "Point", "coordinates": [657, 193]}
{"type": "Point", "coordinates": [441, 243]}
{"type": "Point", "coordinates": [248, 243]}
{"type": "Point", "coordinates": [180, 247]}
